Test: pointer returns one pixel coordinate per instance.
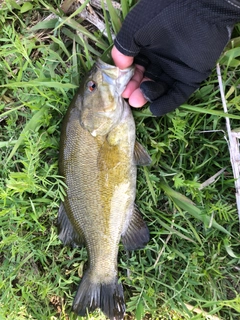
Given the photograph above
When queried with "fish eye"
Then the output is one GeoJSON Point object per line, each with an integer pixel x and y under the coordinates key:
{"type": "Point", "coordinates": [91, 86]}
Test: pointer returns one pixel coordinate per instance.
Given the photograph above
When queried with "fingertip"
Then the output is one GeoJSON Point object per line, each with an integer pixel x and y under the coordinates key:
{"type": "Point", "coordinates": [120, 60]}
{"type": "Point", "coordinates": [137, 99]}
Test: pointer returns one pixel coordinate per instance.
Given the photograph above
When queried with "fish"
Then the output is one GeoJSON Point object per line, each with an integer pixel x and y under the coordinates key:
{"type": "Point", "coordinates": [98, 159]}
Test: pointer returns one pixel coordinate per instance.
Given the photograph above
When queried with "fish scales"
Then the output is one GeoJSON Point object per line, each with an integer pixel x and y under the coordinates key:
{"type": "Point", "coordinates": [103, 172]}
{"type": "Point", "coordinates": [98, 164]}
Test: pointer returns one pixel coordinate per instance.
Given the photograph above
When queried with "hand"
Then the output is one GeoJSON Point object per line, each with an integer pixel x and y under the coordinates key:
{"type": "Point", "coordinates": [132, 91]}
{"type": "Point", "coordinates": [175, 43]}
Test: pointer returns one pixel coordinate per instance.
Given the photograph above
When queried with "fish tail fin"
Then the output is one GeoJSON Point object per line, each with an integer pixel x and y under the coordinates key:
{"type": "Point", "coordinates": [106, 296]}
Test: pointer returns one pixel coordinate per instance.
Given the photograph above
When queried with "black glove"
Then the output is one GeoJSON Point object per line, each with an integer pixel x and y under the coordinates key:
{"type": "Point", "coordinates": [178, 42]}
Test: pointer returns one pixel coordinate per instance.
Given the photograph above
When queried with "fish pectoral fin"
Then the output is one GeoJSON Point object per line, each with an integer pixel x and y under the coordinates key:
{"type": "Point", "coordinates": [141, 156]}
{"type": "Point", "coordinates": [137, 234]}
{"type": "Point", "coordinates": [106, 296]}
{"type": "Point", "coordinates": [66, 232]}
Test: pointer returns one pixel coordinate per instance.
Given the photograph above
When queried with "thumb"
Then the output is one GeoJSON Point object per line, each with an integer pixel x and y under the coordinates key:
{"type": "Point", "coordinates": [120, 60]}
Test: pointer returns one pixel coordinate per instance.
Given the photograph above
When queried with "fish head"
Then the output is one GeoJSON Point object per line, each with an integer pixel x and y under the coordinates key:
{"type": "Point", "coordinates": [101, 102]}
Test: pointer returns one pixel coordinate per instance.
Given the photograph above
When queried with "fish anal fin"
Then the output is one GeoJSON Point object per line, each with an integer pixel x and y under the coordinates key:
{"type": "Point", "coordinates": [141, 156]}
{"type": "Point", "coordinates": [106, 296]}
{"type": "Point", "coordinates": [136, 235]}
{"type": "Point", "coordinates": [66, 232]}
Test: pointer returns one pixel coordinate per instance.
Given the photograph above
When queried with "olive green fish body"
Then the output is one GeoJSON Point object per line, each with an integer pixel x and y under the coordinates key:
{"type": "Point", "coordinates": [98, 163]}
{"type": "Point", "coordinates": [101, 188]}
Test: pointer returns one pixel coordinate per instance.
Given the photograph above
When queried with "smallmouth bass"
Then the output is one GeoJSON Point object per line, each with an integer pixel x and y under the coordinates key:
{"type": "Point", "coordinates": [98, 158]}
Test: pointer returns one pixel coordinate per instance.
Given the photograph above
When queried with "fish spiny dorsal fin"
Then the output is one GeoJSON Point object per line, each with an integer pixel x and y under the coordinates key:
{"type": "Point", "coordinates": [137, 235]}
{"type": "Point", "coordinates": [141, 156]}
{"type": "Point", "coordinates": [66, 232]}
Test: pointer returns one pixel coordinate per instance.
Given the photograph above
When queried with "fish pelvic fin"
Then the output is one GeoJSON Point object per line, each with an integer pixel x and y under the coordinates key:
{"type": "Point", "coordinates": [136, 235]}
{"type": "Point", "coordinates": [106, 296]}
{"type": "Point", "coordinates": [141, 156]}
{"type": "Point", "coordinates": [66, 232]}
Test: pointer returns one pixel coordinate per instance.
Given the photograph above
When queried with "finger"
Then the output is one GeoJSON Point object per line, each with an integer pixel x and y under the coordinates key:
{"type": "Point", "coordinates": [173, 98]}
{"type": "Point", "coordinates": [120, 60]}
{"type": "Point", "coordinates": [137, 99]}
{"type": "Point", "coordinates": [135, 82]}
{"type": "Point", "coordinates": [153, 90]}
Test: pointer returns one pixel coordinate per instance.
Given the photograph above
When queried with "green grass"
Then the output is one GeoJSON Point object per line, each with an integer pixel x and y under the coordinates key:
{"type": "Point", "coordinates": [193, 256]}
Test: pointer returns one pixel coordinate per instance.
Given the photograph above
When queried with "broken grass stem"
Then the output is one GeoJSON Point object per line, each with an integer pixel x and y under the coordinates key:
{"type": "Point", "coordinates": [233, 145]}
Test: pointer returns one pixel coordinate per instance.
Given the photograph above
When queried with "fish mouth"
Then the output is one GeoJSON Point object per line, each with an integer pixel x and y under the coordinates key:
{"type": "Point", "coordinates": [114, 76]}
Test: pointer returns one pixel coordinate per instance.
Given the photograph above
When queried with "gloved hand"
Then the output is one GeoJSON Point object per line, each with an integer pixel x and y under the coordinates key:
{"type": "Point", "coordinates": [178, 43]}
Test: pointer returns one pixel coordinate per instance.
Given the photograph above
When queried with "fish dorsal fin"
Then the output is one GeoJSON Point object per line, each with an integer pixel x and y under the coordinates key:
{"type": "Point", "coordinates": [66, 232]}
{"type": "Point", "coordinates": [136, 235]}
{"type": "Point", "coordinates": [141, 156]}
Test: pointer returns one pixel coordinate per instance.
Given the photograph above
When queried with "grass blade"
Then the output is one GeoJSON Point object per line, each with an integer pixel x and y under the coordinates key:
{"type": "Point", "coordinates": [209, 111]}
{"type": "Point", "coordinates": [125, 8]}
{"type": "Point", "coordinates": [31, 125]}
{"type": "Point", "coordinates": [39, 83]}
{"type": "Point", "coordinates": [186, 204]}
{"type": "Point", "coordinates": [107, 24]}
{"type": "Point", "coordinates": [116, 22]}
{"type": "Point", "coordinates": [76, 26]}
